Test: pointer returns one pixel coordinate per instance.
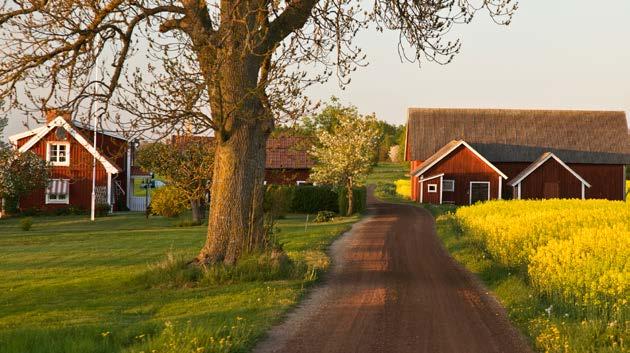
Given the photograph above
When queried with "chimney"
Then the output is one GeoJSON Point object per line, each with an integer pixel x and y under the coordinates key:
{"type": "Point", "coordinates": [52, 114]}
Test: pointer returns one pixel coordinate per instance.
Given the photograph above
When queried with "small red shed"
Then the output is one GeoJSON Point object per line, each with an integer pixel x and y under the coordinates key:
{"type": "Point", "coordinates": [458, 174]}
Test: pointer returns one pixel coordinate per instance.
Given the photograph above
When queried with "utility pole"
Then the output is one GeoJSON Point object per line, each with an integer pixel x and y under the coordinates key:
{"type": "Point", "coordinates": [94, 111]}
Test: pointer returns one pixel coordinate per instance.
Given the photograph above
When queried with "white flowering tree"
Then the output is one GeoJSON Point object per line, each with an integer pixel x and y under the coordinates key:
{"type": "Point", "coordinates": [345, 153]}
{"type": "Point", "coordinates": [394, 153]}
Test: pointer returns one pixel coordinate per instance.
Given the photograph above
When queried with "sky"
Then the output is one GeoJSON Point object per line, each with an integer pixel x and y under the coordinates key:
{"type": "Point", "coordinates": [560, 54]}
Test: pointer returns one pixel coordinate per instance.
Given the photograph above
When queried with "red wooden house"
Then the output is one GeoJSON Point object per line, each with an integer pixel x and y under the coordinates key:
{"type": "Point", "coordinates": [463, 156]}
{"type": "Point", "coordinates": [68, 147]}
{"type": "Point", "coordinates": [288, 161]}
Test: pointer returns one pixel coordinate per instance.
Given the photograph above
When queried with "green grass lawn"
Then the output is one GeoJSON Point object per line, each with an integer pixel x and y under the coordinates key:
{"type": "Point", "coordinates": [387, 172]}
{"type": "Point", "coordinates": [69, 285]}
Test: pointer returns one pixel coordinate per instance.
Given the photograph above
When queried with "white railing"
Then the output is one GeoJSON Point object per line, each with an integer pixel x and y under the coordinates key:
{"type": "Point", "coordinates": [138, 203]}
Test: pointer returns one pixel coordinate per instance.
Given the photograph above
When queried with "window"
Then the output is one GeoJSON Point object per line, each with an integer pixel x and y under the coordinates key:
{"type": "Point", "coordinates": [448, 185]}
{"type": "Point", "coordinates": [303, 183]}
{"type": "Point", "coordinates": [58, 153]}
{"type": "Point", "coordinates": [58, 191]}
{"type": "Point", "coordinates": [432, 187]}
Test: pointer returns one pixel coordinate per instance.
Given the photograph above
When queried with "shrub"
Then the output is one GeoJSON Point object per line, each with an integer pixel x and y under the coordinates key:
{"type": "Point", "coordinates": [324, 216]}
{"type": "Point", "coordinates": [102, 210]}
{"type": "Point", "coordinates": [384, 189]}
{"type": "Point", "coordinates": [278, 199]}
{"type": "Point", "coordinates": [30, 212]}
{"type": "Point", "coordinates": [311, 199]}
{"type": "Point", "coordinates": [26, 224]}
{"type": "Point", "coordinates": [74, 210]}
{"type": "Point", "coordinates": [359, 198]}
{"type": "Point", "coordinates": [168, 201]}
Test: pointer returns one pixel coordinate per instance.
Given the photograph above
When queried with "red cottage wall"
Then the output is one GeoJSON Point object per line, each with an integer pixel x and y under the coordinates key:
{"type": "Point", "coordinates": [463, 166]}
{"type": "Point", "coordinates": [79, 172]}
{"type": "Point", "coordinates": [286, 176]}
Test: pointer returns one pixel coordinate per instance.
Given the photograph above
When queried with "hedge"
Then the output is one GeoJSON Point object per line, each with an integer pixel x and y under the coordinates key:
{"type": "Point", "coordinates": [281, 199]}
{"type": "Point", "coordinates": [360, 200]}
{"type": "Point", "coordinates": [311, 199]}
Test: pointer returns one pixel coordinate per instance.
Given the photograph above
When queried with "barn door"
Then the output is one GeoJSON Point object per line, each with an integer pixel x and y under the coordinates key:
{"type": "Point", "coordinates": [479, 191]}
{"type": "Point", "coordinates": [551, 190]}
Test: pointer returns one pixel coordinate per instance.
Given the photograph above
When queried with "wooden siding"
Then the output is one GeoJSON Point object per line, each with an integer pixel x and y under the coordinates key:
{"type": "Point", "coordinates": [80, 171]}
{"type": "Point", "coordinates": [431, 197]}
{"type": "Point", "coordinates": [463, 166]}
{"type": "Point", "coordinates": [551, 180]}
{"type": "Point", "coordinates": [607, 180]}
{"type": "Point", "coordinates": [286, 176]}
{"type": "Point", "coordinates": [415, 182]}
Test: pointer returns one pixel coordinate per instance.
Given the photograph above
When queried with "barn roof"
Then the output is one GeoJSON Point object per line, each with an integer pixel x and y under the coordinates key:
{"type": "Point", "coordinates": [445, 151]}
{"type": "Point", "coordinates": [507, 135]}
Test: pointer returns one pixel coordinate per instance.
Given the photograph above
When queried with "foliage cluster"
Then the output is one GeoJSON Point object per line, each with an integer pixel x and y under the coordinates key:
{"type": "Point", "coordinates": [574, 253]}
{"type": "Point", "coordinates": [186, 164]}
{"type": "Point", "coordinates": [26, 223]}
{"type": "Point", "coordinates": [169, 201]}
{"type": "Point", "coordinates": [324, 216]}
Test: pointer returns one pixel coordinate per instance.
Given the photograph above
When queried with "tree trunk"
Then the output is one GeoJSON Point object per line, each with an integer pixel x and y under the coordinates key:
{"type": "Point", "coordinates": [197, 210]}
{"type": "Point", "coordinates": [350, 197]}
{"type": "Point", "coordinates": [235, 219]}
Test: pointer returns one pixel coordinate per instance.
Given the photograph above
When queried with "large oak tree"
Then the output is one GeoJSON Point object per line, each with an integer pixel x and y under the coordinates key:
{"type": "Point", "coordinates": [233, 66]}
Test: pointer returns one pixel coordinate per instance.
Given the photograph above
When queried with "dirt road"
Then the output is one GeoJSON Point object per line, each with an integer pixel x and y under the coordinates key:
{"type": "Point", "coordinates": [394, 288]}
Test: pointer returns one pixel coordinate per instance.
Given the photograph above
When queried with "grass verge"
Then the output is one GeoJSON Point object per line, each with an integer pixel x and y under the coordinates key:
{"type": "Point", "coordinates": [118, 285]}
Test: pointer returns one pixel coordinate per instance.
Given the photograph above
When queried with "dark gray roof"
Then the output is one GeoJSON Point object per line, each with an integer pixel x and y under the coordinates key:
{"type": "Point", "coordinates": [503, 135]}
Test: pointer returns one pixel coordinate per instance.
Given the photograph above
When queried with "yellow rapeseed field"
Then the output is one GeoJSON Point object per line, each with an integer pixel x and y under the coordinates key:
{"type": "Point", "coordinates": [575, 254]}
{"type": "Point", "coordinates": [403, 187]}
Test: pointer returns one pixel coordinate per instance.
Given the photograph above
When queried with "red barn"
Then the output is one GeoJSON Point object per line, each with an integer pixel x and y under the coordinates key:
{"type": "Point", "coordinates": [68, 147]}
{"type": "Point", "coordinates": [463, 156]}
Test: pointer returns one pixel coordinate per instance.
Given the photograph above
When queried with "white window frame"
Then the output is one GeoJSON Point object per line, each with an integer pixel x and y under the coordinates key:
{"type": "Point", "coordinates": [448, 190]}
{"type": "Point", "coordinates": [65, 201]}
{"type": "Point", "coordinates": [300, 182]}
{"type": "Point", "coordinates": [56, 163]}
{"type": "Point", "coordinates": [432, 188]}
{"type": "Point", "coordinates": [470, 190]}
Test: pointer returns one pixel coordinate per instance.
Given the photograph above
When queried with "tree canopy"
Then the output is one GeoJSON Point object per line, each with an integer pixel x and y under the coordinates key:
{"type": "Point", "coordinates": [186, 164]}
{"type": "Point", "coordinates": [345, 153]}
{"type": "Point", "coordinates": [233, 66]}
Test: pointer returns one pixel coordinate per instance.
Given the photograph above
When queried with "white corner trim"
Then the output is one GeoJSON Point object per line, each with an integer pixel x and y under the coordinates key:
{"type": "Point", "coordinates": [500, 189]}
{"type": "Point", "coordinates": [61, 122]}
{"type": "Point", "coordinates": [421, 190]}
{"type": "Point", "coordinates": [541, 162]}
{"type": "Point", "coordinates": [470, 190]}
{"type": "Point", "coordinates": [433, 177]}
{"type": "Point", "coordinates": [15, 138]}
{"type": "Point", "coordinates": [441, 188]}
{"type": "Point", "coordinates": [464, 143]}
